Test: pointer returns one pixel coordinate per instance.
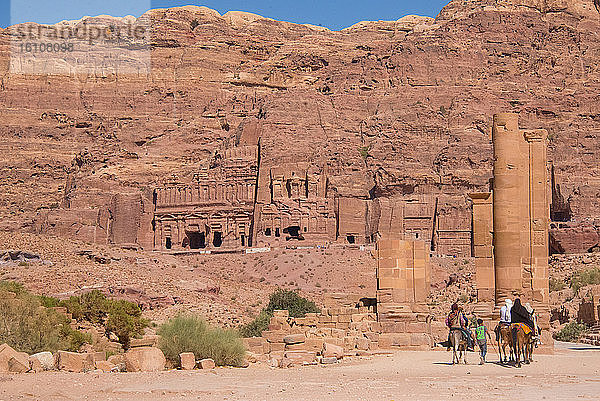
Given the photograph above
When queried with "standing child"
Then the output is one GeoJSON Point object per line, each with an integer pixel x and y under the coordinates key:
{"type": "Point", "coordinates": [480, 333]}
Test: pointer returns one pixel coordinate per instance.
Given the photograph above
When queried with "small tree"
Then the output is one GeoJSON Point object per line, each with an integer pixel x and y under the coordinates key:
{"type": "Point", "coordinates": [125, 320]}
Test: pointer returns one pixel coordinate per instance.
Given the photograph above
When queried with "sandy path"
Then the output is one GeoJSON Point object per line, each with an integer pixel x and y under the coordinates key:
{"type": "Point", "coordinates": [571, 373]}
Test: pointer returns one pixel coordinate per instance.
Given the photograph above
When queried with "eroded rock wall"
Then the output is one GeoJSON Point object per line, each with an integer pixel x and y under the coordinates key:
{"type": "Point", "coordinates": [389, 109]}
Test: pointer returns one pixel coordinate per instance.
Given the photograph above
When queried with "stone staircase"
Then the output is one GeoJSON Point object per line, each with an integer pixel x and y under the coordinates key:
{"type": "Point", "coordinates": [592, 337]}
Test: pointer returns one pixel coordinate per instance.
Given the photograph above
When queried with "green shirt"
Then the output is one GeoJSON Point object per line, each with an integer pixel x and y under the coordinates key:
{"type": "Point", "coordinates": [480, 331]}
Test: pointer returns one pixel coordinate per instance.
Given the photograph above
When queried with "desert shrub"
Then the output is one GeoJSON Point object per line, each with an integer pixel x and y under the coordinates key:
{"type": "Point", "coordinates": [291, 301]}
{"type": "Point", "coordinates": [571, 332]}
{"type": "Point", "coordinates": [12, 286]}
{"type": "Point", "coordinates": [28, 327]}
{"type": "Point", "coordinates": [257, 326]}
{"type": "Point", "coordinates": [556, 285]}
{"type": "Point", "coordinates": [121, 317]}
{"type": "Point", "coordinates": [192, 334]}
{"type": "Point", "coordinates": [125, 320]}
{"type": "Point", "coordinates": [297, 305]}
{"type": "Point", "coordinates": [364, 151]}
{"type": "Point", "coordinates": [586, 277]}
{"type": "Point", "coordinates": [48, 302]}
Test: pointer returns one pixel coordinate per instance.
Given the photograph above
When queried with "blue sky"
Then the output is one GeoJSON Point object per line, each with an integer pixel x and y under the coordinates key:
{"type": "Point", "coordinates": [334, 14]}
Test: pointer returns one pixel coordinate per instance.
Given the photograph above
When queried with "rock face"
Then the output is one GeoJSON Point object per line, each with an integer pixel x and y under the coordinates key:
{"type": "Point", "coordinates": [145, 359]}
{"type": "Point", "coordinates": [391, 116]}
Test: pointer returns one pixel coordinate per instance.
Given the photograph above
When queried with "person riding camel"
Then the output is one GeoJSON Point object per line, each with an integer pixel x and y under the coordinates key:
{"type": "Point", "coordinates": [536, 330]}
{"type": "Point", "coordinates": [457, 320]}
{"type": "Point", "coordinates": [518, 314]}
{"type": "Point", "coordinates": [504, 317]}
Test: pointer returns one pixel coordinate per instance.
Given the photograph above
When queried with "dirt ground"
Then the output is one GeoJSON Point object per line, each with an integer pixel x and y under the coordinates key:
{"type": "Point", "coordinates": [573, 372]}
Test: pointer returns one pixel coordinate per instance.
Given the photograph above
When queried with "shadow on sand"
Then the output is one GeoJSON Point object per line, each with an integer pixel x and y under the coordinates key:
{"type": "Point", "coordinates": [508, 365]}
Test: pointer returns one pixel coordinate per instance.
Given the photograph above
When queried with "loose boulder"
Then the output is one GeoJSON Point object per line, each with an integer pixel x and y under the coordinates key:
{"type": "Point", "coordinates": [207, 364]}
{"type": "Point", "coordinates": [13, 361]}
{"type": "Point", "coordinates": [106, 366]}
{"type": "Point", "coordinates": [119, 361]}
{"type": "Point", "coordinates": [46, 359]}
{"type": "Point", "coordinates": [145, 359]}
{"type": "Point", "coordinates": [74, 362]}
{"type": "Point", "coordinates": [35, 365]}
{"type": "Point", "coordinates": [187, 360]}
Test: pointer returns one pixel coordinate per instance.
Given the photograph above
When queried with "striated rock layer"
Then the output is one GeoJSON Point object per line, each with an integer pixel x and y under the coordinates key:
{"type": "Point", "coordinates": [390, 110]}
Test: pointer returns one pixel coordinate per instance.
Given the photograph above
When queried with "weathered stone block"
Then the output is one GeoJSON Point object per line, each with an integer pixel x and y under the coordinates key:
{"type": "Point", "coordinates": [420, 339]}
{"type": "Point", "coordinates": [145, 359]}
{"type": "Point", "coordinates": [332, 350]}
{"type": "Point", "coordinates": [74, 362]}
{"type": "Point", "coordinates": [294, 338]}
{"type": "Point", "coordinates": [106, 366]}
{"type": "Point", "coordinates": [281, 313]}
{"type": "Point", "coordinates": [147, 341]}
{"type": "Point", "coordinates": [362, 343]}
{"type": "Point", "coordinates": [275, 336]}
{"type": "Point", "coordinates": [417, 327]}
{"type": "Point", "coordinates": [274, 347]}
{"type": "Point", "coordinates": [394, 340]}
{"type": "Point", "coordinates": [314, 344]}
{"type": "Point", "coordinates": [46, 360]}
{"type": "Point", "coordinates": [206, 364]}
{"type": "Point", "coordinates": [187, 360]}
{"type": "Point", "coordinates": [292, 358]}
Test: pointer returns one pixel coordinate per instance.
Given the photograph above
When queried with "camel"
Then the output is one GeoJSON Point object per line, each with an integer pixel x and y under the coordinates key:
{"type": "Point", "coordinates": [458, 343]}
{"type": "Point", "coordinates": [523, 344]}
{"type": "Point", "coordinates": [505, 339]}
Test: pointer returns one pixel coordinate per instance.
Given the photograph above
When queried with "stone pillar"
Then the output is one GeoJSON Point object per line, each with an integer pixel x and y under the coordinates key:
{"type": "Point", "coordinates": [482, 247]}
{"type": "Point", "coordinates": [403, 272]}
{"type": "Point", "coordinates": [484, 254]}
{"type": "Point", "coordinates": [521, 214]}
{"type": "Point", "coordinates": [535, 273]}
{"type": "Point", "coordinates": [403, 284]}
{"type": "Point", "coordinates": [508, 205]}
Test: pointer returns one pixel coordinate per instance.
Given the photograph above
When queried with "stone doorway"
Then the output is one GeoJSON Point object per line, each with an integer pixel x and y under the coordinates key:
{"type": "Point", "coordinates": [197, 240]}
{"type": "Point", "coordinates": [293, 232]}
{"type": "Point", "coordinates": [217, 239]}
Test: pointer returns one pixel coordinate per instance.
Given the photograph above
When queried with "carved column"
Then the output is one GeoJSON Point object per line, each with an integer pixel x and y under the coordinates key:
{"type": "Point", "coordinates": [507, 205]}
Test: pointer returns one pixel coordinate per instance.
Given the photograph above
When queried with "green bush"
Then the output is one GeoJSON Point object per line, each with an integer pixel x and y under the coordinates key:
{"type": "Point", "coordinates": [122, 317]}
{"type": "Point", "coordinates": [193, 334]}
{"type": "Point", "coordinates": [291, 301]}
{"type": "Point", "coordinates": [28, 327]}
{"type": "Point", "coordinates": [586, 277]}
{"type": "Point", "coordinates": [571, 332]}
{"type": "Point", "coordinates": [49, 302]}
{"type": "Point", "coordinates": [125, 320]}
{"type": "Point", "coordinates": [12, 286]}
{"type": "Point", "coordinates": [556, 285]}
{"type": "Point", "coordinates": [257, 326]}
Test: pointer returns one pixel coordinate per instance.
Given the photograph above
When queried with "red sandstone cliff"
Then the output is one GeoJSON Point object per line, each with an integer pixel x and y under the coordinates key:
{"type": "Point", "coordinates": [389, 109]}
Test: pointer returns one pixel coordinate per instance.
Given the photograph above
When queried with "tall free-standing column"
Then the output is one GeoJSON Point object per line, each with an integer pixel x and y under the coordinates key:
{"type": "Point", "coordinates": [508, 193]}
